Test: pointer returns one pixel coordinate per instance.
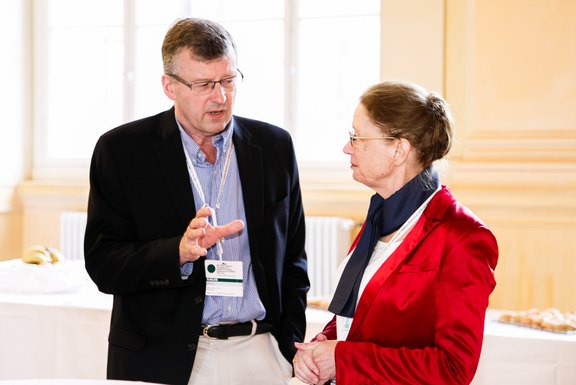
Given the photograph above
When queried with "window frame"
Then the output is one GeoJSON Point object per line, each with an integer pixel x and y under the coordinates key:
{"type": "Point", "coordinates": [44, 167]}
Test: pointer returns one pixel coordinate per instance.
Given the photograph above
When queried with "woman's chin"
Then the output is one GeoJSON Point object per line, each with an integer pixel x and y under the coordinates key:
{"type": "Point", "coordinates": [357, 178]}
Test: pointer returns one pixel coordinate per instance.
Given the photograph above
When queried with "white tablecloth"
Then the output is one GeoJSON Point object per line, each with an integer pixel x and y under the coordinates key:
{"type": "Point", "coordinates": [517, 355]}
{"type": "Point", "coordinates": [54, 335]}
{"type": "Point", "coordinates": [65, 336]}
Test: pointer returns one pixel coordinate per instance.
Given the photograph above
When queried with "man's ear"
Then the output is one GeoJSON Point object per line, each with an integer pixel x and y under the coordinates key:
{"type": "Point", "coordinates": [168, 86]}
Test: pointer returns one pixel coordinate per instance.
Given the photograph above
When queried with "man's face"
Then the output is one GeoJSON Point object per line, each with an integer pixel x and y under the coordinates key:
{"type": "Point", "coordinates": [206, 114]}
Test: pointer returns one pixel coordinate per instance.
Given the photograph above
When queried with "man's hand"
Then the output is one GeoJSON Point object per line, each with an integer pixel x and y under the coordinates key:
{"type": "Point", "coordinates": [200, 235]}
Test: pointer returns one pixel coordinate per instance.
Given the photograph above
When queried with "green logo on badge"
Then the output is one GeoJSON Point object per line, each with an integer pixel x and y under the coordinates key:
{"type": "Point", "coordinates": [211, 268]}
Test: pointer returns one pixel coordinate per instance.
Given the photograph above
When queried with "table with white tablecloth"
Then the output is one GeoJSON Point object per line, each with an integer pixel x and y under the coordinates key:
{"type": "Point", "coordinates": [64, 335]}
{"type": "Point", "coordinates": [519, 355]}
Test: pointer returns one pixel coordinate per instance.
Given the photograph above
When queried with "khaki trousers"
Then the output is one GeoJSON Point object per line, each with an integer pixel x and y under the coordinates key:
{"type": "Point", "coordinates": [250, 360]}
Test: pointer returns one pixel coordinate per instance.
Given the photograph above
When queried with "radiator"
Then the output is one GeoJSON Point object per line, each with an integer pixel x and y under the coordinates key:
{"type": "Point", "coordinates": [72, 227]}
{"type": "Point", "coordinates": [327, 242]}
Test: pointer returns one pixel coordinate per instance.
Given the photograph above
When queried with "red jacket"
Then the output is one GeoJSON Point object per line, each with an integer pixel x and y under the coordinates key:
{"type": "Point", "coordinates": [420, 319]}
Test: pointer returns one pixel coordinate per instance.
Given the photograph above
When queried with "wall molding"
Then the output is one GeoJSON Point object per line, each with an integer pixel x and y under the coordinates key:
{"type": "Point", "coordinates": [53, 195]}
{"type": "Point", "coordinates": [533, 192]}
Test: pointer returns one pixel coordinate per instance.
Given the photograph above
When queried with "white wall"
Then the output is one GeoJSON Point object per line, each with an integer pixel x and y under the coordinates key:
{"type": "Point", "coordinates": [15, 98]}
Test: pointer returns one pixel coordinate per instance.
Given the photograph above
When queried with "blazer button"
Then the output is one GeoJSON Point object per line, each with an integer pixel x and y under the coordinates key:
{"type": "Point", "coordinates": [198, 300]}
{"type": "Point", "coordinates": [191, 347]}
{"type": "Point", "coordinates": [166, 282]}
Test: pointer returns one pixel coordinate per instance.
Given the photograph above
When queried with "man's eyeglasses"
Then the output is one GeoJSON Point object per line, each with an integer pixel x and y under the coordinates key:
{"type": "Point", "coordinates": [204, 87]}
{"type": "Point", "coordinates": [354, 137]}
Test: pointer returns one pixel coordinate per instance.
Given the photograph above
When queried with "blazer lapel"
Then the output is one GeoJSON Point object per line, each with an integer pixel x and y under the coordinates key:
{"type": "Point", "coordinates": [430, 218]}
{"type": "Point", "coordinates": [251, 170]}
{"type": "Point", "coordinates": [250, 167]}
{"type": "Point", "coordinates": [172, 162]}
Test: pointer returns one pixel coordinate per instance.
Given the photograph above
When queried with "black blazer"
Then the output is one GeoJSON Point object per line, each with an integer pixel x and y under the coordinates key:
{"type": "Point", "coordinates": [140, 204]}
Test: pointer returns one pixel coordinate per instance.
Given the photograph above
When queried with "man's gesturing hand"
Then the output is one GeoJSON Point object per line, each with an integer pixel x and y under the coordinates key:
{"type": "Point", "coordinates": [200, 235]}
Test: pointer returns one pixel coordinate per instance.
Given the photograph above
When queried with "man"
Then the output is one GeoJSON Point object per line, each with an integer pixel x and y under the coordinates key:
{"type": "Point", "coordinates": [196, 301]}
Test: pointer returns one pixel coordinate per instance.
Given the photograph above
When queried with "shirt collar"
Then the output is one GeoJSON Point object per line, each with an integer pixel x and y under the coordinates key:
{"type": "Point", "coordinates": [220, 141]}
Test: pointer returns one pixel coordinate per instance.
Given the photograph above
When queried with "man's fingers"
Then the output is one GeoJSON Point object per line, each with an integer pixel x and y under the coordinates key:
{"type": "Point", "coordinates": [229, 228]}
{"type": "Point", "coordinates": [208, 236]}
{"type": "Point", "coordinates": [198, 223]}
{"type": "Point", "coordinates": [197, 251]}
{"type": "Point", "coordinates": [203, 212]}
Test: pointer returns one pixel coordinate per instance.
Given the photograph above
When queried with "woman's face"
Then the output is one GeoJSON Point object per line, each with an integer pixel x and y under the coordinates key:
{"type": "Point", "coordinates": [371, 160]}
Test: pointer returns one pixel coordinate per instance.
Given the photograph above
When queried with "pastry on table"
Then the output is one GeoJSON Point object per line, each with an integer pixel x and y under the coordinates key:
{"type": "Point", "coordinates": [550, 319]}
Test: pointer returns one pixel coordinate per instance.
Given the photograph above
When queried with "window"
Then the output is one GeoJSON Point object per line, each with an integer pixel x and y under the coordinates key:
{"type": "Point", "coordinates": [98, 65]}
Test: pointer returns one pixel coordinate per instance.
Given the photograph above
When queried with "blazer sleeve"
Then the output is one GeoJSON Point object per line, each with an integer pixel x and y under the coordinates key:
{"type": "Point", "coordinates": [124, 254]}
{"type": "Point", "coordinates": [329, 330]}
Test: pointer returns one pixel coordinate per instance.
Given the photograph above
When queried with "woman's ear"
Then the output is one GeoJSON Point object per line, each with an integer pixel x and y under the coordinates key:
{"type": "Point", "coordinates": [403, 149]}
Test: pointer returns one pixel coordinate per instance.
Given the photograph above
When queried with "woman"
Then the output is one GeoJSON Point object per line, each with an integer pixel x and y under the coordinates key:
{"type": "Point", "coordinates": [411, 300]}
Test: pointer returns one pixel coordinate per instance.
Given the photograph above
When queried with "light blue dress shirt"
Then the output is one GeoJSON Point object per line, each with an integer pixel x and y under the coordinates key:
{"type": "Point", "coordinates": [235, 247]}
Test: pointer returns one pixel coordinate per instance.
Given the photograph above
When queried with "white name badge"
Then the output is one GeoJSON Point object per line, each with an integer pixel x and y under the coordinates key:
{"type": "Point", "coordinates": [343, 325]}
{"type": "Point", "coordinates": [224, 278]}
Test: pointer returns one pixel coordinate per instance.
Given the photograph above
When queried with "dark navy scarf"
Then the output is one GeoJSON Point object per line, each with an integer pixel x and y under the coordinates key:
{"type": "Point", "coordinates": [384, 217]}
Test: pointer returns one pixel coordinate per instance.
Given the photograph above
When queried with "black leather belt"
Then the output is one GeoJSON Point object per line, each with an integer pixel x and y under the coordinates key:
{"type": "Point", "coordinates": [223, 331]}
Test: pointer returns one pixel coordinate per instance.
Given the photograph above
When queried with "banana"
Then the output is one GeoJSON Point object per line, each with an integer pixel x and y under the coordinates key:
{"type": "Point", "coordinates": [35, 255]}
{"type": "Point", "coordinates": [39, 255]}
{"type": "Point", "coordinates": [55, 254]}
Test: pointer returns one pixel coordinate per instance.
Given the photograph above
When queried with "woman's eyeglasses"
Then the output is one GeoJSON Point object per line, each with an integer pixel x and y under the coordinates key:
{"type": "Point", "coordinates": [354, 137]}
